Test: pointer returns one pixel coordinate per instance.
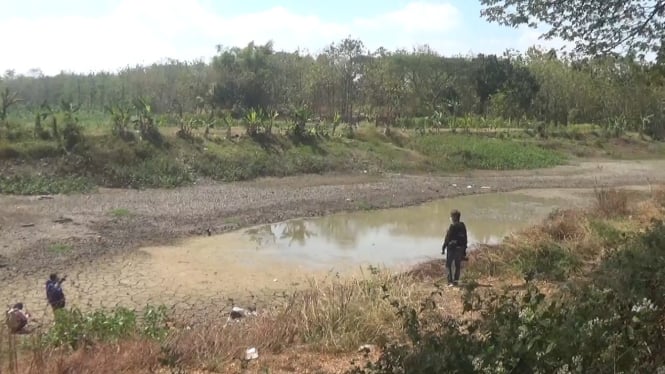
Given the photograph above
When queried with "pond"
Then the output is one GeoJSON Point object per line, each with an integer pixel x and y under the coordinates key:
{"type": "Point", "coordinates": [392, 238]}
{"type": "Point", "coordinates": [205, 272]}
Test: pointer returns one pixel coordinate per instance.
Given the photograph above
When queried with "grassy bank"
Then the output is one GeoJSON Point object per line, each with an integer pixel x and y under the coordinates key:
{"type": "Point", "coordinates": [581, 292]}
{"type": "Point", "coordinates": [92, 157]}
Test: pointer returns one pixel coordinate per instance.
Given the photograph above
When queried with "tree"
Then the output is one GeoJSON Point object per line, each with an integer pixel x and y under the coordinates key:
{"type": "Point", "coordinates": [490, 75]}
{"type": "Point", "coordinates": [7, 100]}
{"type": "Point", "coordinates": [596, 27]}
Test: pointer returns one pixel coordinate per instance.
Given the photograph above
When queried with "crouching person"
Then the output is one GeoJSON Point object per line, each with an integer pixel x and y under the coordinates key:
{"type": "Point", "coordinates": [17, 319]}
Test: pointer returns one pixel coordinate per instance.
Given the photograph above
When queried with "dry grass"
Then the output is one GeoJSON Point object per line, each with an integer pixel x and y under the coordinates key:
{"type": "Point", "coordinates": [611, 202]}
{"type": "Point", "coordinates": [566, 238]}
{"type": "Point", "coordinates": [332, 316]}
{"type": "Point", "coordinates": [134, 356]}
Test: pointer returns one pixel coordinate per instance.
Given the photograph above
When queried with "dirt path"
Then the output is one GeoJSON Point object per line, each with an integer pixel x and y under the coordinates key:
{"type": "Point", "coordinates": [94, 237]}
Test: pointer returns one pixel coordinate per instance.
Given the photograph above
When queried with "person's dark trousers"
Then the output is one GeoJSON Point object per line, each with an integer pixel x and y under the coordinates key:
{"type": "Point", "coordinates": [453, 255]}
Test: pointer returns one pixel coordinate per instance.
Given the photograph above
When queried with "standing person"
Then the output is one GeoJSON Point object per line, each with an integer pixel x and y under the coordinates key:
{"type": "Point", "coordinates": [54, 293]}
{"type": "Point", "coordinates": [454, 246]}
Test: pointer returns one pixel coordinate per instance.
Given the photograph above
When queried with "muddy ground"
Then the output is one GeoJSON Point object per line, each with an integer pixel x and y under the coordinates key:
{"type": "Point", "coordinates": [94, 237]}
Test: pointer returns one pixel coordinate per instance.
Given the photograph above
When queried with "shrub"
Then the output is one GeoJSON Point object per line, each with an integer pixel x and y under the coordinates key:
{"type": "Point", "coordinates": [614, 322]}
{"type": "Point", "coordinates": [31, 184]}
{"type": "Point", "coordinates": [76, 329]}
{"type": "Point", "coordinates": [611, 202]}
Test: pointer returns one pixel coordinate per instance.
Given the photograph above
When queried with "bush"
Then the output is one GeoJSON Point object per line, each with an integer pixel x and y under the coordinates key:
{"type": "Point", "coordinates": [31, 184]}
{"type": "Point", "coordinates": [611, 202]}
{"type": "Point", "coordinates": [76, 329]}
{"type": "Point", "coordinates": [614, 322]}
{"type": "Point", "coordinates": [548, 261]}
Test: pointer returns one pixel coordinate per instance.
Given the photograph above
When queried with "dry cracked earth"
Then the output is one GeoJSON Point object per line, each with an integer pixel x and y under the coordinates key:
{"type": "Point", "coordinates": [99, 240]}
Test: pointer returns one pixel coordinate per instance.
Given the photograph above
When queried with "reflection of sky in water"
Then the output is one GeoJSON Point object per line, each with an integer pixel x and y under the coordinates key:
{"type": "Point", "coordinates": [397, 236]}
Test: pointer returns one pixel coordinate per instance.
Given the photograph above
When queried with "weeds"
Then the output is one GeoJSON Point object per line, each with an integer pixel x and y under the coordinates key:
{"type": "Point", "coordinates": [120, 212]}
{"type": "Point", "coordinates": [611, 202]}
{"type": "Point", "coordinates": [43, 185]}
{"type": "Point", "coordinates": [336, 315]}
{"type": "Point", "coordinates": [60, 248]}
{"type": "Point", "coordinates": [75, 329]}
{"type": "Point", "coordinates": [459, 152]}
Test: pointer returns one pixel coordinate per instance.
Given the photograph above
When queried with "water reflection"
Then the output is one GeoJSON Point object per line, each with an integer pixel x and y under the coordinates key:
{"type": "Point", "coordinates": [398, 236]}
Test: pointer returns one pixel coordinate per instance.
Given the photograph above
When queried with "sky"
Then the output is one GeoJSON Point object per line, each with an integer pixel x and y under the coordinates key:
{"type": "Point", "coordinates": [106, 35]}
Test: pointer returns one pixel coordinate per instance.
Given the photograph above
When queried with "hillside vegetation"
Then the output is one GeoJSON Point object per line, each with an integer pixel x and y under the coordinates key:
{"type": "Point", "coordinates": [254, 112]}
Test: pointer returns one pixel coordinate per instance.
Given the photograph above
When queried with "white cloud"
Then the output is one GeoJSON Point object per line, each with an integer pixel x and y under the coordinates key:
{"type": "Point", "coordinates": [142, 32]}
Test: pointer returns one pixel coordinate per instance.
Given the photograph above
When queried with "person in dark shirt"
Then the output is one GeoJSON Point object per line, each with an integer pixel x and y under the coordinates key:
{"type": "Point", "coordinates": [54, 293]}
{"type": "Point", "coordinates": [454, 246]}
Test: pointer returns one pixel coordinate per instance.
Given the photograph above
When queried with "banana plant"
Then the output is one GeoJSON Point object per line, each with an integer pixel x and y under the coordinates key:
{"type": "Point", "coordinates": [253, 121]}
{"type": "Point", "coordinates": [122, 118]}
{"type": "Point", "coordinates": [72, 134]}
{"type": "Point", "coordinates": [337, 120]}
{"type": "Point", "coordinates": [272, 117]}
{"type": "Point", "coordinates": [301, 116]}
{"type": "Point", "coordinates": [144, 121]}
{"type": "Point", "coordinates": [46, 112]}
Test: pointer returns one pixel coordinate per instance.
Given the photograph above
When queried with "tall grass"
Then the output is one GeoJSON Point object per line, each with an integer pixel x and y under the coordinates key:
{"type": "Point", "coordinates": [335, 315]}
{"type": "Point", "coordinates": [563, 245]}
{"type": "Point", "coordinates": [611, 202]}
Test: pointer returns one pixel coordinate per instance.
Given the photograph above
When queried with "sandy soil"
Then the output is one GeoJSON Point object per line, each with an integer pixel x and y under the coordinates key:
{"type": "Point", "coordinates": [80, 235]}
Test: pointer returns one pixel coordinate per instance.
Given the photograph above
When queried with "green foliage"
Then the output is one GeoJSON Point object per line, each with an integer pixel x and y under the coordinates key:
{"type": "Point", "coordinates": [158, 171]}
{"type": "Point", "coordinates": [121, 119]}
{"type": "Point", "coordinates": [548, 261]}
{"type": "Point", "coordinates": [29, 150]}
{"type": "Point", "coordinates": [121, 212]}
{"type": "Point", "coordinates": [459, 152]}
{"type": "Point", "coordinates": [72, 133]}
{"type": "Point", "coordinates": [144, 121]}
{"type": "Point", "coordinates": [300, 116]}
{"type": "Point", "coordinates": [610, 323]}
{"type": "Point", "coordinates": [76, 329]}
{"type": "Point", "coordinates": [611, 236]}
{"type": "Point", "coordinates": [112, 162]}
{"type": "Point", "coordinates": [60, 248]}
{"type": "Point", "coordinates": [32, 184]}
{"type": "Point", "coordinates": [7, 100]}
{"type": "Point", "coordinates": [154, 322]}
{"type": "Point", "coordinates": [388, 88]}
{"type": "Point", "coordinates": [595, 27]}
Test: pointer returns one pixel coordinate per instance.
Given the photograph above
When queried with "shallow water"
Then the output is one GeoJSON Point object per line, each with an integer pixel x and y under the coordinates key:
{"type": "Point", "coordinates": [392, 238]}
{"type": "Point", "coordinates": [205, 272]}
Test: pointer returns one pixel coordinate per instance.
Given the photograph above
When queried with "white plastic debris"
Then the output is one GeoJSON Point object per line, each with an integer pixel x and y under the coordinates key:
{"type": "Point", "coordinates": [366, 348]}
{"type": "Point", "coordinates": [237, 313]}
{"type": "Point", "coordinates": [485, 187]}
{"type": "Point", "coordinates": [251, 354]}
{"type": "Point", "coordinates": [454, 184]}
{"type": "Point", "coordinates": [469, 186]}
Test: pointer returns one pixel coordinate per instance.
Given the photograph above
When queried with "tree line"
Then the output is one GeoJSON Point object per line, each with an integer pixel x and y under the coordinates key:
{"type": "Point", "coordinates": [350, 82]}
